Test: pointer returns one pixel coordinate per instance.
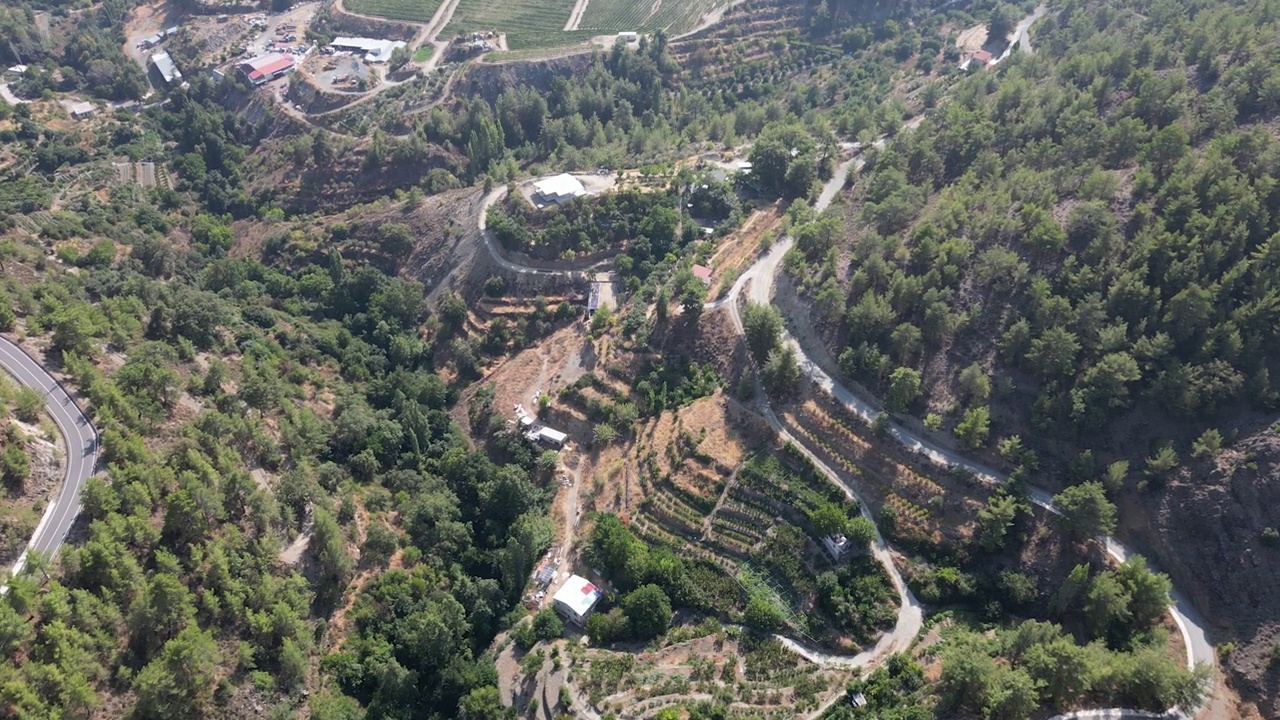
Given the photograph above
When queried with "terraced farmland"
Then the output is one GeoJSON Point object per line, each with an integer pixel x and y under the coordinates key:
{"type": "Point", "coordinates": [412, 10]}
{"type": "Point", "coordinates": [673, 16]}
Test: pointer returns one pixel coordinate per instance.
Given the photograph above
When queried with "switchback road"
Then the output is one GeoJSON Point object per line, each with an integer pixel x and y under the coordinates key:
{"type": "Point", "coordinates": [81, 443]}
{"type": "Point", "coordinates": [761, 276]}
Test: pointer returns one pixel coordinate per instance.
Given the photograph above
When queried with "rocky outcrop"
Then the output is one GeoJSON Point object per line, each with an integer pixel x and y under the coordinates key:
{"type": "Point", "coordinates": [1218, 531]}
{"type": "Point", "coordinates": [489, 81]}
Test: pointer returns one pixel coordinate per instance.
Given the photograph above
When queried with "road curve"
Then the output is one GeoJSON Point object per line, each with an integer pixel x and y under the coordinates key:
{"type": "Point", "coordinates": [761, 277]}
{"type": "Point", "coordinates": [1190, 624]}
{"type": "Point", "coordinates": [82, 451]}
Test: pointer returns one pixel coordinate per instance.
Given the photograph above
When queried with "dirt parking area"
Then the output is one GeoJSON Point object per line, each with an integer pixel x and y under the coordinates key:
{"type": "Point", "coordinates": [219, 38]}
{"type": "Point", "coordinates": [343, 73]}
{"type": "Point", "coordinates": [972, 39]}
{"type": "Point", "coordinates": [276, 29]}
{"type": "Point", "coordinates": [551, 364]}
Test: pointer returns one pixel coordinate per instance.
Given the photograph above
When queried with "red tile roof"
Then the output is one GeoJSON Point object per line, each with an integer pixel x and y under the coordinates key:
{"type": "Point", "coordinates": [276, 66]}
{"type": "Point", "coordinates": [702, 272]}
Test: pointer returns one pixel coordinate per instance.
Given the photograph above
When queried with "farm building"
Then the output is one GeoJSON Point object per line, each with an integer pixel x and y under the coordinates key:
{"type": "Point", "coordinates": [982, 58]}
{"type": "Point", "coordinates": [629, 36]}
{"type": "Point", "coordinates": [576, 599]}
{"type": "Point", "coordinates": [703, 273]}
{"type": "Point", "coordinates": [837, 546]}
{"type": "Point", "coordinates": [265, 68]}
{"type": "Point", "coordinates": [536, 432]}
{"type": "Point", "coordinates": [559, 189]}
{"type": "Point", "coordinates": [81, 110]}
{"type": "Point", "coordinates": [164, 65]}
{"type": "Point", "coordinates": [550, 437]}
{"type": "Point", "coordinates": [16, 71]}
{"type": "Point", "coordinates": [375, 51]}
{"type": "Point", "coordinates": [154, 40]}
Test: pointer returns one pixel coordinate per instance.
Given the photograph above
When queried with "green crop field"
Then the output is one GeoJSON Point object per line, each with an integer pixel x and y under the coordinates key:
{"type": "Point", "coordinates": [673, 16]}
{"type": "Point", "coordinates": [527, 23]}
{"type": "Point", "coordinates": [413, 10]}
{"type": "Point", "coordinates": [536, 24]}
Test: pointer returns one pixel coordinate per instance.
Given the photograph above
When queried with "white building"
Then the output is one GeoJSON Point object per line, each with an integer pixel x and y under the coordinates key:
{"type": "Point", "coordinates": [535, 431]}
{"type": "Point", "coordinates": [81, 110]}
{"type": "Point", "coordinates": [166, 67]}
{"type": "Point", "coordinates": [551, 437]}
{"type": "Point", "coordinates": [16, 71]}
{"type": "Point", "coordinates": [559, 189]}
{"type": "Point", "coordinates": [375, 51]}
{"type": "Point", "coordinates": [576, 599]}
{"type": "Point", "coordinates": [837, 546]}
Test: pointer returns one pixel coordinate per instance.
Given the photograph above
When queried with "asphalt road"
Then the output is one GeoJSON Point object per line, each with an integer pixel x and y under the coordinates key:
{"type": "Point", "coordinates": [82, 450]}
{"type": "Point", "coordinates": [761, 275]}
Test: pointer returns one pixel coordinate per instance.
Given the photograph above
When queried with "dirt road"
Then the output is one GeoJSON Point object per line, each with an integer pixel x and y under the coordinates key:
{"type": "Point", "coordinates": [760, 277]}
{"type": "Point", "coordinates": [491, 244]}
{"type": "Point", "coordinates": [575, 17]}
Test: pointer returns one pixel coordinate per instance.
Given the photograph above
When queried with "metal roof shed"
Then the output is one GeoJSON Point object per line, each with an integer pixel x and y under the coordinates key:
{"type": "Point", "coordinates": [548, 436]}
{"type": "Point", "coordinates": [166, 67]}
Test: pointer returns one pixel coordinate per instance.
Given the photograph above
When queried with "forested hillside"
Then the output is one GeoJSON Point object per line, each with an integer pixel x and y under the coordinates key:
{"type": "Point", "coordinates": [1074, 242]}
{"type": "Point", "coordinates": [316, 498]}
{"type": "Point", "coordinates": [243, 408]}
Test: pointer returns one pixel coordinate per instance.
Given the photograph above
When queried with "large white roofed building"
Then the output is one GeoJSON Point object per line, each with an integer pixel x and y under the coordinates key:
{"type": "Point", "coordinates": [166, 67]}
{"type": "Point", "coordinates": [576, 599]}
{"type": "Point", "coordinates": [559, 189]}
{"type": "Point", "coordinates": [376, 51]}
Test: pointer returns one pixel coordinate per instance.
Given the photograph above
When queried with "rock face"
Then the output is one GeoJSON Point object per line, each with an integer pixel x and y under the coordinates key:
{"type": "Point", "coordinates": [489, 80]}
{"type": "Point", "coordinates": [1217, 530]}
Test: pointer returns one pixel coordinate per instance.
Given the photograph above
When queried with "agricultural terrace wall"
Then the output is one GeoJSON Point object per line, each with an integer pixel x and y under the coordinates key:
{"type": "Point", "coordinates": [526, 284]}
{"type": "Point", "coordinates": [582, 262]}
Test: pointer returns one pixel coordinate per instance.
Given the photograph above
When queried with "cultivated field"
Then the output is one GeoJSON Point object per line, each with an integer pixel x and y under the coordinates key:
{"type": "Point", "coordinates": [673, 16]}
{"type": "Point", "coordinates": [532, 24]}
{"type": "Point", "coordinates": [527, 23]}
{"type": "Point", "coordinates": [413, 10]}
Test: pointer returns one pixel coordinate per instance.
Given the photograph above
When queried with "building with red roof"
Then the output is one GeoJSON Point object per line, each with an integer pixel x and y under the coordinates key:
{"type": "Point", "coordinates": [266, 68]}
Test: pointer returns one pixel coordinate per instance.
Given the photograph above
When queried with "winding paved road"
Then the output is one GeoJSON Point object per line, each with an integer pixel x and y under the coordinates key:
{"type": "Point", "coordinates": [761, 275]}
{"type": "Point", "coordinates": [82, 451]}
{"type": "Point", "coordinates": [1021, 35]}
